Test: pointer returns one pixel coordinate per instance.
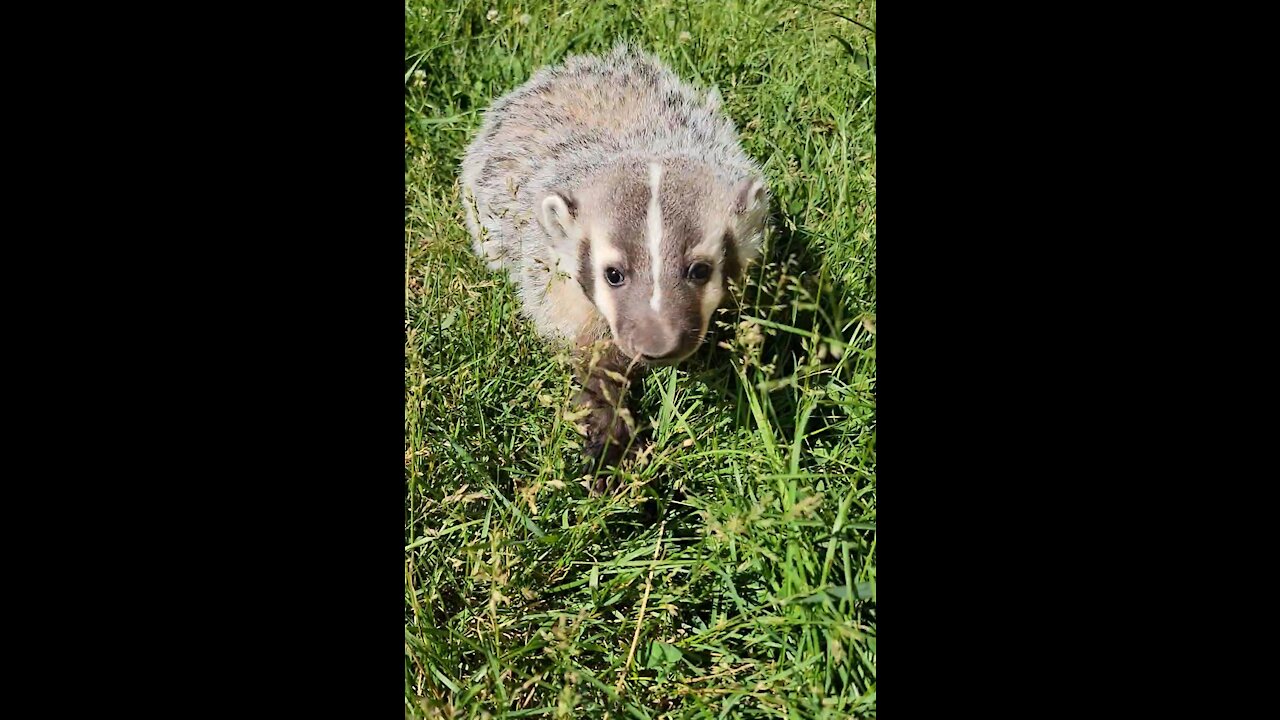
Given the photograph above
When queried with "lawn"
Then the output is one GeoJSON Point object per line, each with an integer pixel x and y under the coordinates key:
{"type": "Point", "coordinates": [734, 572]}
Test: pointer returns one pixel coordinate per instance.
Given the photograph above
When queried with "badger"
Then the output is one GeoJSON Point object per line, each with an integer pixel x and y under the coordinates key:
{"type": "Point", "coordinates": [620, 204]}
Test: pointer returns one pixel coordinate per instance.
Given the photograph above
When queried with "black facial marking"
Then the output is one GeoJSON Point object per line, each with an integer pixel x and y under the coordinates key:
{"type": "Point", "coordinates": [585, 273]}
{"type": "Point", "coordinates": [732, 267]}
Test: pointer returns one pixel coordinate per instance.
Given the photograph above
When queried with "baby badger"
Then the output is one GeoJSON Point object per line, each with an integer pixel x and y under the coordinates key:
{"type": "Point", "coordinates": [620, 203]}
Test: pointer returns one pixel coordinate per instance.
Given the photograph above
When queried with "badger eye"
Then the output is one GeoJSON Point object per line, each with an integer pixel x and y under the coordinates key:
{"type": "Point", "coordinates": [614, 276]}
{"type": "Point", "coordinates": [699, 272]}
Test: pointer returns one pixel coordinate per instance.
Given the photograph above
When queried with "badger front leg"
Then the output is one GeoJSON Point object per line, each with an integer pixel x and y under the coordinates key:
{"type": "Point", "coordinates": [605, 375]}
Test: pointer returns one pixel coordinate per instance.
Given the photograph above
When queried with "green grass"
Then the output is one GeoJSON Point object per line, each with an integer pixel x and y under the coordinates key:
{"type": "Point", "coordinates": [734, 575]}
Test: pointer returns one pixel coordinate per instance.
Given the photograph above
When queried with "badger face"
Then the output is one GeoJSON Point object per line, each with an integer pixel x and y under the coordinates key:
{"type": "Point", "coordinates": [653, 246]}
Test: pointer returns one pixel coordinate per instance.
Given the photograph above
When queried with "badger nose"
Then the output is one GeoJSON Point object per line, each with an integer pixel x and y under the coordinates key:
{"type": "Point", "coordinates": [658, 346]}
{"type": "Point", "coordinates": [652, 353]}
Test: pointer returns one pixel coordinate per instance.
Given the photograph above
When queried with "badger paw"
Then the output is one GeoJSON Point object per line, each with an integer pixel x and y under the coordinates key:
{"type": "Point", "coordinates": [609, 437]}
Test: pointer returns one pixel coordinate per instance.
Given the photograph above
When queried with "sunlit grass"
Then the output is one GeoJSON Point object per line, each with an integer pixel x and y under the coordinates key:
{"type": "Point", "coordinates": [734, 574]}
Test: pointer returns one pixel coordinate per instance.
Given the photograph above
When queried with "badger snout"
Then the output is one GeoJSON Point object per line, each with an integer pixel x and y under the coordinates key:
{"type": "Point", "coordinates": [657, 342]}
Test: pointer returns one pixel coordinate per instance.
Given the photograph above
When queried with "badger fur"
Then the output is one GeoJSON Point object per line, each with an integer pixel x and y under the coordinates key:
{"type": "Point", "coordinates": [619, 202]}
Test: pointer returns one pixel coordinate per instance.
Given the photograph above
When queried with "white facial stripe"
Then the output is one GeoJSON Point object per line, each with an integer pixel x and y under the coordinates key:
{"type": "Point", "coordinates": [603, 254]}
{"type": "Point", "coordinates": [712, 248]}
{"type": "Point", "coordinates": [653, 233]}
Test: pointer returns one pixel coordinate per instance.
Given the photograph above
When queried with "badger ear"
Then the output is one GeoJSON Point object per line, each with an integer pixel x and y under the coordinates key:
{"type": "Point", "coordinates": [558, 215]}
{"type": "Point", "coordinates": [752, 196]}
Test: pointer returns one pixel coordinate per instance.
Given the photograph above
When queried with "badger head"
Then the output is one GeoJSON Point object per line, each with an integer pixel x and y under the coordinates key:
{"type": "Point", "coordinates": [653, 245]}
